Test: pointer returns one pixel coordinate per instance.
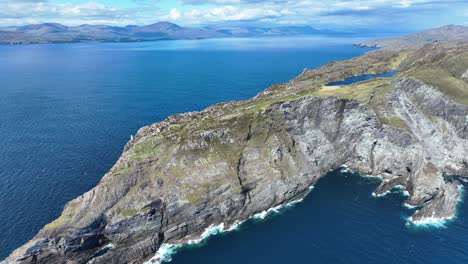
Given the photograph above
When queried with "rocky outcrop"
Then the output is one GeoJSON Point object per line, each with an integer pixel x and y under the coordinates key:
{"type": "Point", "coordinates": [464, 76]}
{"type": "Point", "coordinates": [234, 160]}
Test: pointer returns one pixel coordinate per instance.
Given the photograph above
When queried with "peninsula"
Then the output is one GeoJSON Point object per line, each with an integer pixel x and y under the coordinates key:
{"type": "Point", "coordinates": [233, 160]}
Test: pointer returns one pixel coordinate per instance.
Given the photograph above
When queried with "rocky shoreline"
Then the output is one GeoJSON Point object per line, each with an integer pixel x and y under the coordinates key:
{"type": "Point", "coordinates": [177, 178]}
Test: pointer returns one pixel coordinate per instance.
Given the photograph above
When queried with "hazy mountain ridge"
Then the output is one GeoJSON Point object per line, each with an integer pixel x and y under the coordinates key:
{"type": "Point", "coordinates": [449, 33]}
{"type": "Point", "coordinates": [56, 33]}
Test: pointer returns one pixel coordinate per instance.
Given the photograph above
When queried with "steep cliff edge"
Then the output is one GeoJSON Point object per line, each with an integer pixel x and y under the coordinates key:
{"type": "Point", "coordinates": [233, 160]}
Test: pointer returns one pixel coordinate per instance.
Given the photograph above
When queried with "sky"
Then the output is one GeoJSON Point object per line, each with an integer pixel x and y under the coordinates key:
{"type": "Point", "coordinates": [387, 15]}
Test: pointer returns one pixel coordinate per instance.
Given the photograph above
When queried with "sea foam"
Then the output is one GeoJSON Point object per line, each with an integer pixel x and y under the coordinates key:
{"type": "Point", "coordinates": [276, 209]}
{"type": "Point", "coordinates": [409, 206]}
{"type": "Point", "coordinates": [166, 251]}
{"type": "Point", "coordinates": [438, 222]}
{"type": "Point", "coordinates": [461, 190]}
{"type": "Point", "coordinates": [346, 169]}
{"type": "Point", "coordinates": [398, 188]}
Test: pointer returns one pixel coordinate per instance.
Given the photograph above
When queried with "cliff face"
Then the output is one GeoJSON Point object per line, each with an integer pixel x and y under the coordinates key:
{"type": "Point", "coordinates": [233, 160]}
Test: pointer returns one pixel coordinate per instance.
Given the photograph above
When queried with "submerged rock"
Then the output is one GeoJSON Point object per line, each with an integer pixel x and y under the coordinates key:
{"type": "Point", "coordinates": [234, 160]}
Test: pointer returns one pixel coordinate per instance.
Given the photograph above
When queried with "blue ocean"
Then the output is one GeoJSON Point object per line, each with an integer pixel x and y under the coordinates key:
{"type": "Point", "coordinates": [67, 110]}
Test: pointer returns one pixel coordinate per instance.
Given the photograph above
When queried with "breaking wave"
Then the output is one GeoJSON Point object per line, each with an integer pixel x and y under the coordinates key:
{"type": "Point", "coordinates": [434, 222]}
{"type": "Point", "coordinates": [397, 188]}
{"type": "Point", "coordinates": [166, 251]}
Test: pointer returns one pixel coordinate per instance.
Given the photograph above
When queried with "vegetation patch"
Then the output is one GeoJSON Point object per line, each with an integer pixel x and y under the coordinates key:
{"type": "Point", "coordinates": [360, 91]}
{"type": "Point", "coordinates": [146, 148]}
{"type": "Point", "coordinates": [395, 62]}
{"type": "Point", "coordinates": [394, 121]}
{"type": "Point", "coordinates": [56, 223]}
{"type": "Point", "coordinates": [129, 212]}
{"type": "Point", "coordinates": [194, 197]}
{"type": "Point", "coordinates": [454, 88]}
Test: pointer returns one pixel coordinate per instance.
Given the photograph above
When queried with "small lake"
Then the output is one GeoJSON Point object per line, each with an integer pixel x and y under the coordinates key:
{"type": "Point", "coordinates": [361, 78]}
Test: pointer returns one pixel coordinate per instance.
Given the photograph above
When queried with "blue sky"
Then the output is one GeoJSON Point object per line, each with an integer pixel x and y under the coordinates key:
{"type": "Point", "coordinates": [387, 15]}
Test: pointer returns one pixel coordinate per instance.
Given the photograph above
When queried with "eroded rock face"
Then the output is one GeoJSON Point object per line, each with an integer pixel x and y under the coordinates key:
{"type": "Point", "coordinates": [465, 75]}
{"type": "Point", "coordinates": [233, 160]}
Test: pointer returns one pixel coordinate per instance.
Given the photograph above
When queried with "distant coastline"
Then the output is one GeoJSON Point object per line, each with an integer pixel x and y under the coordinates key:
{"type": "Point", "coordinates": [48, 33]}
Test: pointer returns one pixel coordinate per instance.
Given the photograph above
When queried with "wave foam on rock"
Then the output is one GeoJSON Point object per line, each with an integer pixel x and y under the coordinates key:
{"type": "Point", "coordinates": [166, 251]}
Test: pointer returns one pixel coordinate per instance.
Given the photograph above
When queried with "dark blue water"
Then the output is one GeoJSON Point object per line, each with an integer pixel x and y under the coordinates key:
{"type": "Point", "coordinates": [361, 78]}
{"type": "Point", "coordinates": [338, 222]}
{"type": "Point", "coordinates": [66, 112]}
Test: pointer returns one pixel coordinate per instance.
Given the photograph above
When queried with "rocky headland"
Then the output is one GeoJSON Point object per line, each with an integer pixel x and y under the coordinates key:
{"type": "Point", "coordinates": [233, 160]}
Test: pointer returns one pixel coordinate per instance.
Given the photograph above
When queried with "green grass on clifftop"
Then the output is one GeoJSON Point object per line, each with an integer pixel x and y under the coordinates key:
{"type": "Point", "coordinates": [454, 88]}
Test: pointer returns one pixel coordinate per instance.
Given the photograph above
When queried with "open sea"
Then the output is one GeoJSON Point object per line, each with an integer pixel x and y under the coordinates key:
{"type": "Point", "coordinates": [67, 110]}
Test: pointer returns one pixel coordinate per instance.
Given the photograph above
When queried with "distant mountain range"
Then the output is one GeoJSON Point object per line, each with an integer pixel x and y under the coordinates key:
{"type": "Point", "coordinates": [449, 33]}
{"type": "Point", "coordinates": [57, 33]}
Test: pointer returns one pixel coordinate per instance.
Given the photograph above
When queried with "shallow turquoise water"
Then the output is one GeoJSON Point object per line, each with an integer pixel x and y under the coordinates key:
{"type": "Point", "coordinates": [66, 112]}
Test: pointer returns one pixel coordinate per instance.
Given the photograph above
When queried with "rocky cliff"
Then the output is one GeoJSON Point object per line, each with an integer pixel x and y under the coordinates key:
{"type": "Point", "coordinates": [233, 160]}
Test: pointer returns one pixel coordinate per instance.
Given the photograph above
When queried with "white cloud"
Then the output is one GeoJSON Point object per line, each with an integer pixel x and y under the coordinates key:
{"type": "Point", "coordinates": [340, 13]}
{"type": "Point", "coordinates": [273, 11]}
{"type": "Point", "coordinates": [173, 15]}
{"type": "Point", "coordinates": [224, 13]}
{"type": "Point", "coordinates": [320, 13]}
{"type": "Point", "coordinates": [25, 12]}
{"type": "Point", "coordinates": [405, 3]}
